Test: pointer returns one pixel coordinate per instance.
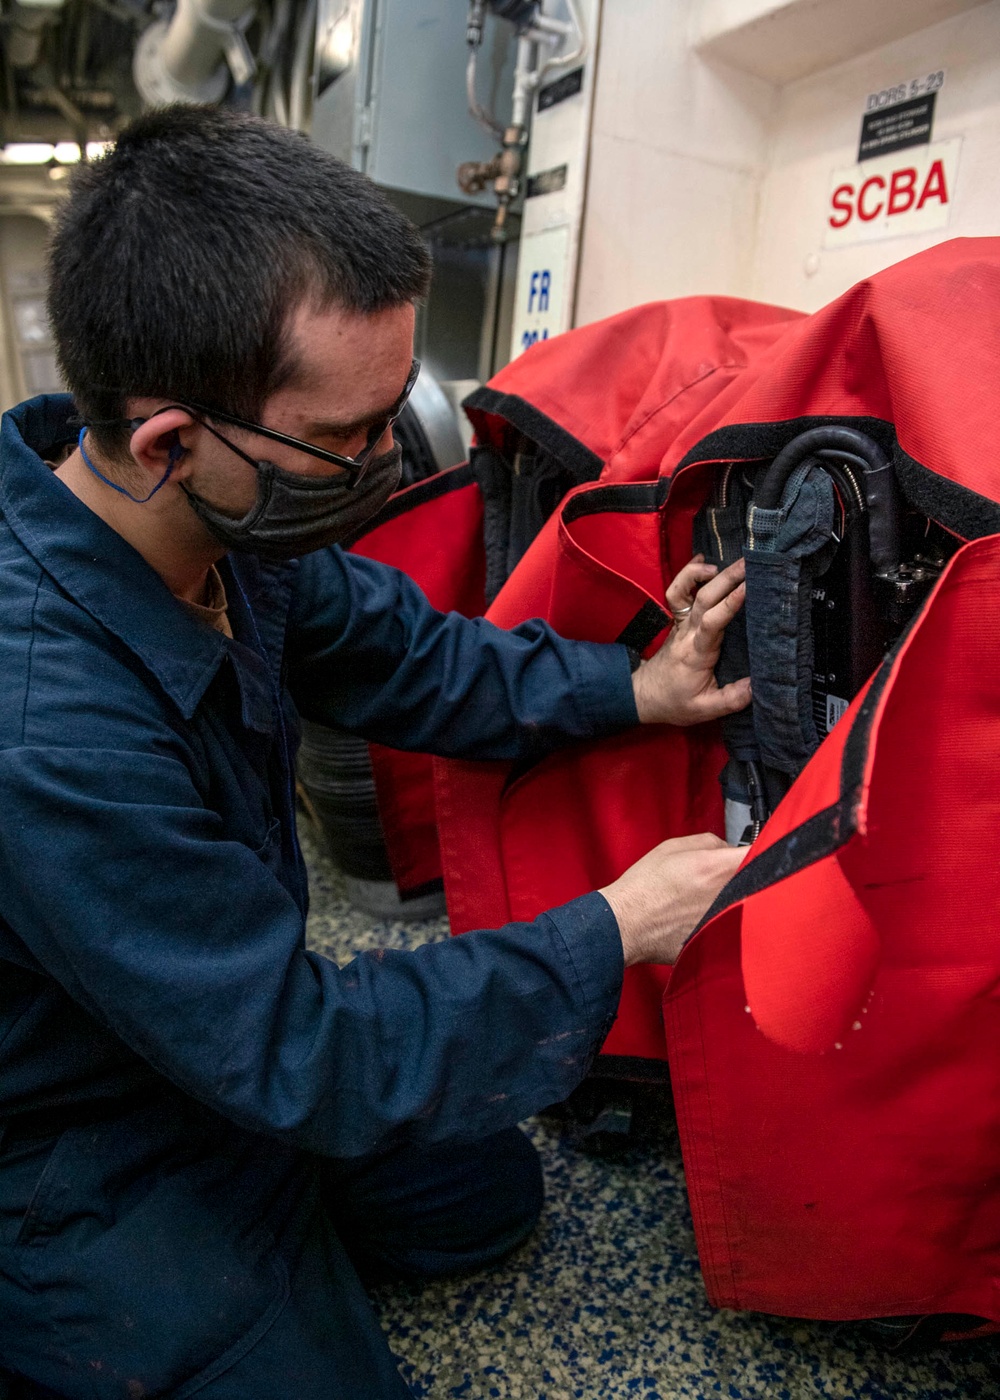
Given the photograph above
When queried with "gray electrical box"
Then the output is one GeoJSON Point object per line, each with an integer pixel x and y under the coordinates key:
{"type": "Point", "coordinates": [390, 95]}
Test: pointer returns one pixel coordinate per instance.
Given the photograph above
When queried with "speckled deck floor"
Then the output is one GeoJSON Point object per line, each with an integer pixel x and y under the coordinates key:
{"type": "Point", "coordinates": [606, 1301]}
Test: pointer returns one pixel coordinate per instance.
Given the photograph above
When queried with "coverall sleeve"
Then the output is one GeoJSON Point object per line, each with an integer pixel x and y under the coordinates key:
{"type": "Point", "coordinates": [185, 944]}
{"type": "Point", "coordinates": [368, 653]}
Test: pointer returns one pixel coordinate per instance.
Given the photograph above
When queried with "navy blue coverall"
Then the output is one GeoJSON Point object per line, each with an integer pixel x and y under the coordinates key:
{"type": "Point", "coordinates": [203, 1126]}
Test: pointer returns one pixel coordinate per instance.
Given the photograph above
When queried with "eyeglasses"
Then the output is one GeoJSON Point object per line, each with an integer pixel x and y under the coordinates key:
{"type": "Point", "coordinates": [354, 466]}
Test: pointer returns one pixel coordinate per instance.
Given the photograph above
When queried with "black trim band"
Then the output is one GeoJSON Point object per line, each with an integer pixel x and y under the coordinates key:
{"type": "Point", "coordinates": [957, 508]}
{"type": "Point", "coordinates": [756, 441]}
{"type": "Point", "coordinates": [818, 837]}
{"type": "Point", "coordinates": [648, 623]}
{"type": "Point", "coordinates": [629, 498]}
{"type": "Point", "coordinates": [585, 464]}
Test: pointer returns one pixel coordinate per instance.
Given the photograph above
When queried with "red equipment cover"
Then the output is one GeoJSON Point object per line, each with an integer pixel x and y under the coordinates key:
{"type": "Point", "coordinates": [833, 1030]}
{"type": "Point", "coordinates": [832, 1027]}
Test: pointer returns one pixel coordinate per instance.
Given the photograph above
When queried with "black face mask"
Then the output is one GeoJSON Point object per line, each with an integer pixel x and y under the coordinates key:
{"type": "Point", "coordinates": [295, 514]}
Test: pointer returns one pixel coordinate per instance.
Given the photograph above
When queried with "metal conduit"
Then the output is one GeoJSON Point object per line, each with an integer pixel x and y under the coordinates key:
{"type": "Point", "coordinates": [189, 58]}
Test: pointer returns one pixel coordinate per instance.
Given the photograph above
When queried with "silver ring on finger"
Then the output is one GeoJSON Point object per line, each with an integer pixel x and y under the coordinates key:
{"type": "Point", "coordinates": [681, 612]}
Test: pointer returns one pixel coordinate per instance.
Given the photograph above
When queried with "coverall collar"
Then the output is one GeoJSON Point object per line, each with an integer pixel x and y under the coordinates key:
{"type": "Point", "coordinates": [110, 579]}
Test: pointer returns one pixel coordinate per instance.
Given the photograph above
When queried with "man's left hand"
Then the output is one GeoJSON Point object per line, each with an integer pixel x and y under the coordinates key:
{"type": "Point", "coordinates": [678, 685]}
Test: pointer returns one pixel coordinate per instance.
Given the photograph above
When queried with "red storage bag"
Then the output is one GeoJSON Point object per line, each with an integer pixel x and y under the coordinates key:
{"type": "Point", "coordinates": [833, 1027]}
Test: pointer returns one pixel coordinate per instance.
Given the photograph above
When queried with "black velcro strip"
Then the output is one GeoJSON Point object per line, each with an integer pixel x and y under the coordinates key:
{"type": "Point", "coordinates": [816, 838]}
{"type": "Point", "coordinates": [648, 623]}
{"type": "Point", "coordinates": [958, 508]}
{"type": "Point", "coordinates": [585, 464]}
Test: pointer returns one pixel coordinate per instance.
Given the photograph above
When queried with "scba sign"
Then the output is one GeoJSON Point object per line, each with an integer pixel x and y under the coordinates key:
{"type": "Point", "coordinates": [902, 196]}
{"type": "Point", "coordinates": [911, 191]}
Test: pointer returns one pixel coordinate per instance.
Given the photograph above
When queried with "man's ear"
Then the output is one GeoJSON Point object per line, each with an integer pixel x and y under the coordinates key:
{"type": "Point", "coordinates": [158, 441]}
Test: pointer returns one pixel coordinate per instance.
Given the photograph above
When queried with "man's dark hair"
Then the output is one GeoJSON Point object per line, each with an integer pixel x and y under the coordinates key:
{"type": "Point", "coordinates": [180, 256]}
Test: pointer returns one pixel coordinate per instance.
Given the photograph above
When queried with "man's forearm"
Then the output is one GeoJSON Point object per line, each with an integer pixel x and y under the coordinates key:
{"type": "Point", "coordinates": [367, 652]}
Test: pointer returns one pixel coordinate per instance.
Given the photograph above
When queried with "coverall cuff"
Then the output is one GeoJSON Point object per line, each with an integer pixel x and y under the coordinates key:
{"type": "Point", "coordinates": [604, 686]}
{"type": "Point", "coordinates": [593, 942]}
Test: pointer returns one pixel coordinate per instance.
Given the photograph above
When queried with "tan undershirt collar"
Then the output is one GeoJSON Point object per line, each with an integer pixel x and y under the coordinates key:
{"type": "Point", "coordinates": [216, 610]}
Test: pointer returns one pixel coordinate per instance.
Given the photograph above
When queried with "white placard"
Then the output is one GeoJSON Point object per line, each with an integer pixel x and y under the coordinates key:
{"type": "Point", "coordinates": [541, 306]}
{"type": "Point", "coordinates": [911, 191]}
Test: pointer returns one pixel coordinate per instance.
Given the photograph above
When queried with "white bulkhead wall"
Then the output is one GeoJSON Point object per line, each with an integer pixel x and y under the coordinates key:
{"type": "Point", "coordinates": [678, 149]}
{"type": "Point", "coordinates": [706, 178]}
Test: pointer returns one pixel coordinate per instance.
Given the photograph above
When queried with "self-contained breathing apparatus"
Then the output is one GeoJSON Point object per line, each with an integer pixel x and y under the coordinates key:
{"type": "Point", "coordinates": [836, 566]}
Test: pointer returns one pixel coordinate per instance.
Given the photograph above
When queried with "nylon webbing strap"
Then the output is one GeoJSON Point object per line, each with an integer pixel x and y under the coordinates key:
{"type": "Point", "coordinates": [648, 623]}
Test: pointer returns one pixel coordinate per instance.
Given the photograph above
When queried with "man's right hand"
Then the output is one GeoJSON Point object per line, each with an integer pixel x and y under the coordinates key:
{"type": "Point", "coordinates": [660, 899]}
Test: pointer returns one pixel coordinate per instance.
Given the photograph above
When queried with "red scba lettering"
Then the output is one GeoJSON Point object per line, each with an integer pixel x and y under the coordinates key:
{"type": "Point", "coordinates": [899, 196]}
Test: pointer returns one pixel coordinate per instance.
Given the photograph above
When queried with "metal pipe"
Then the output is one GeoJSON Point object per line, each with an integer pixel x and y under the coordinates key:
{"type": "Point", "coordinates": [300, 113]}
{"type": "Point", "coordinates": [524, 80]}
{"type": "Point", "coordinates": [189, 57]}
{"type": "Point", "coordinates": [196, 40]}
{"type": "Point", "coordinates": [558, 60]}
{"type": "Point", "coordinates": [484, 118]}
